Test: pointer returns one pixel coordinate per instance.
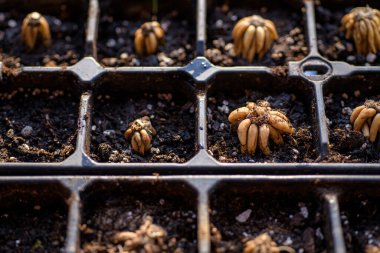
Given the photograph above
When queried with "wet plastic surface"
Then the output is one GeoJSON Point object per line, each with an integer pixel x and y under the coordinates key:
{"type": "Point", "coordinates": [312, 79]}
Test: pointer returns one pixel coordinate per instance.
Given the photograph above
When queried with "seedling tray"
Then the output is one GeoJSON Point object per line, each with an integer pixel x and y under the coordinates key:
{"type": "Point", "coordinates": [61, 128]}
{"type": "Point", "coordinates": [315, 213]}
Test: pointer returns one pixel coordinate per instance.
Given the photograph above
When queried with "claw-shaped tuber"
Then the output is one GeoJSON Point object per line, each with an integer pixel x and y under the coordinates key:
{"type": "Point", "coordinates": [35, 27]}
{"type": "Point", "coordinates": [140, 132]}
{"type": "Point", "coordinates": [372, 249]}
{"type": "Point", "coordinates": [242, 134]}
{"type": "Point", "coordinates": [148, 238]}
{"type": "Point", "coordinates": [362, 24]}
{"type": "Point", "coordinates": [253, 36]}
{"type": "Point", "coordinates": [264, 244]}
{"type": "Point", "coordinates": [148, 37]}
{"type": "Point", "coordinates": [366, 118]}
{"type": "Point", "coordinates": [238, 114]}
{"type": "Point", "coordinates": [256, 124]}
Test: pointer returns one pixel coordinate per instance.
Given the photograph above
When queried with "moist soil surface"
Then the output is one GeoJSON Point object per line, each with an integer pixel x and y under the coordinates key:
{"type": "Point", "coordinates": [37, 125]}
{"type": "Point", "coordinates": [116, 42]}
{"type": "Point", "coordinates": [38, 228]}
{"type": "Point", "coordinates": [288, 222]}
{"type": "Point", "coordinates": [67, 42]}
{"type": "Point", "coordinates": [291, 45]}
{"type": "Point", "coordinates": [332, 43]}
{"type": "Point", "coordinates": [360, 220]}
{"type": "Point", "coordinates": [223, 141]}
{"type": "Point", "coordinates": [172, 117]}
{"type": "Point", "coordinates": [116, 214]}
{"type": "Point", "coordinates": [347, 145]}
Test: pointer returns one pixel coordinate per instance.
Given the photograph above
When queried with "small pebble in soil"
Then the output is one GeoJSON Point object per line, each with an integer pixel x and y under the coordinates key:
{"type": "Point", "coordinates": [27, 131]}
{"type": "Point", "coordinates": [10, 133]}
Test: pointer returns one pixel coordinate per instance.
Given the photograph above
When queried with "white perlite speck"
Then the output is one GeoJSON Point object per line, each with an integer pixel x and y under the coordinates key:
{"type": "Point", "coordinates": [244, 216]}
{"type": "Point", "coordinates": [319, 234]}
{"type": "Point", "coordinates": [109, 132]}
{"type": "Point", "coordinates": [288, 241]}
{"type": "Point", "coordinates": [304, 212]}
{"type": "Point", "coordinates": [224, 109]}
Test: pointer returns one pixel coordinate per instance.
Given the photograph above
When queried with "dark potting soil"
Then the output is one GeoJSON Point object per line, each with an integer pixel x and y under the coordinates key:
{"type": "Point", "coordinates": [37, 125]}
{"type": "Point", "coordinates": [172, 117]}
{"type": "Point", "coordinates": [38, 227]}
{"type": "Point", "coordinates": [291, 45]}
{"type": "Point", "coordinates": [102, 220]}
{"type": "Point", "coordinates": [224, 144]}
{"type": "Point", "coordinates": [289, 222]}
{"type": "Point", "coordinates": [361, 227]}
{"type": "Point", "coordinates": [347, 145]}
{"type": "Point", "coordinates": [116, 43]}
{"type": "Point", "coordinates": [67, 42]}
{"type": "Point", "coordinates": [332, 43]}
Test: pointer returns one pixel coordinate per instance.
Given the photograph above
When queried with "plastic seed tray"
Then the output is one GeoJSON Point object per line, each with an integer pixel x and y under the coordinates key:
{"type": "Point", "coordinates": [68, 172]}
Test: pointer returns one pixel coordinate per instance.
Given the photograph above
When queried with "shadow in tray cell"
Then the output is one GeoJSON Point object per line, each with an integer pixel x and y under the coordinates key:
{"type": "Point", "coordinates": [223, 16]}
{"type": "Point", "coordinates": [66, 20]}
{"type": "Point", "coordinates": [224, 97]}
{"type": "Point", "coordinates": [332, 43]}
{"type": "Point", "coordinates": [289, 219]}
{"type": "Point", "coordinates": [171, 115]}
{"type": "Point", "coordinates": [341, 98]}
{"type": "Point", "coordinates": [33, 218]}
{"type": "Point", "coordinates": [155, 216]}
{"type": "Point", "coordinates": [361, 219]}
{"type": "Point", "coordinates": [37, 124]}
{"type": "Point", "coordinates": [120, 19]}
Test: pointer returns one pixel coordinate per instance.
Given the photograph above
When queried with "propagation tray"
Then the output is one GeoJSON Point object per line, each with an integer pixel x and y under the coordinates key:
{"type": "Point", "coordinates": [204, 179]}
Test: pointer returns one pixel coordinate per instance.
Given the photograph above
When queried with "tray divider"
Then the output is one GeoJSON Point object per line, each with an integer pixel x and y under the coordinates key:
{"type": "Point", "coordinates": [73, 232]}
{"type": "Point", "coordinates": [92, 29]}
{"type": "Point", "coordinates": [201, 121]}
{"type": "Point", "coordinates": [201, 27]}
{"type": "Point", "coordinates": [320, 115]}
{"type": "Point", "coordinates": [84, 132]}
{"type": "Point", "coordinates": [311, 28]}
{"type": "Point", "coordinates": [336, 243]}
{"type": "Point", "coordinates": [203, 187]}
{"type": "Point", "coordinates": [204, 244]}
